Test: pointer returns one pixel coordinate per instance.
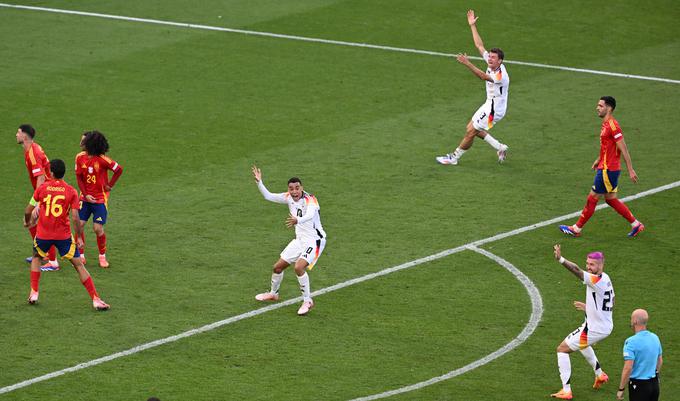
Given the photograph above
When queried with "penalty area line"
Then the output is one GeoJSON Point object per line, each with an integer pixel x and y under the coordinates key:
{"type": "Point", "coordinates": [470, 246]}
{"type": "Point", "coordinates": [326, 41]}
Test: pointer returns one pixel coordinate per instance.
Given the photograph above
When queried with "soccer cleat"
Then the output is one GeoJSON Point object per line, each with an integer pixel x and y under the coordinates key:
{"type": "Point", "coordinates": [569, 230]}
{"type": "Point", "coordinates": [29, 259]}
{"type": "Point", "coordinates": [562, 395]}
{"type": "Point", "coordinates": [448, 159]}
{"type": "Point", "coordinates": [502, 153]}
{"type": "Point", "coordinates": [98, 304]}
{"type": "Point", "coordinates": [600, 380]}
{"type": "Point", "coordinates": [636, 230]}
{"type": "Point", "coordinates": [267, 296]}
{"type": "Point", "coordinates": [49, 267]}
{"type": "Point", "coordinates": [33, 297]}
{"type": "Point", "coordinates": [103, 262]}
{"type": "Point", "coordinates": [305, 308]}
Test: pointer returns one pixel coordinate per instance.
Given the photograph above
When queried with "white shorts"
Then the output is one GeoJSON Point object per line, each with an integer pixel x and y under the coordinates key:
{"type": "Point", "coordinates": [307, 250]}
{"type": "Point", "coordinates": [485, 117]}
{"type": "Point", "coordinates": [583, 338]}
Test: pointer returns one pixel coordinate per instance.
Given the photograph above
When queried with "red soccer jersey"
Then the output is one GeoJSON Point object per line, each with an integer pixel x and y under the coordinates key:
{"type": "Point", "coordinates": [92, 173]}
{"type": "Point", "coordinates": [610, 134]}
{"type": "Point", "coordinates": [37, 163]}
{"type": "Point", "coordinates": [56, 198]}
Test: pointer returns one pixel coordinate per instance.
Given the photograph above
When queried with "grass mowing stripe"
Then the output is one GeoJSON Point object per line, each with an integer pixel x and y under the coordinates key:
{"type": "Point", "coordinates": [471, 246]}
{"type": "Point", "coordinates": [328, 41]}
{"type": "Point", "coordinates": [536, 314]}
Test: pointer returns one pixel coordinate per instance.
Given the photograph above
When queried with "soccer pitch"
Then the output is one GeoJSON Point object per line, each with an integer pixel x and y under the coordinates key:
{"type": "Point", "coordinates": [188, 109]}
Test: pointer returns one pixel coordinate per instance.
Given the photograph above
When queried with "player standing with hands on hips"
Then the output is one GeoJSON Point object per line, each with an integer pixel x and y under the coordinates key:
{"type": "Point", "coordinates": [493, 110]}
{"type": "Point", "coordinates": [309, 242]}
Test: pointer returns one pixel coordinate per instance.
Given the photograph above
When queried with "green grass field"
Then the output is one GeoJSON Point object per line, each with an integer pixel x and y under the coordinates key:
{"type": "Point", "coordinates": [191, 240]}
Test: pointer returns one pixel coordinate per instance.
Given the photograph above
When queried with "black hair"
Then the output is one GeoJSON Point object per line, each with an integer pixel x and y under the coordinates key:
{"type": "Point", "coordinates": [609, 101]}
{"type": "Point", "coordinates": [58, 168]}
{"type": "Point", "coordinates": [28, 129]}
{"type": "Point", "coordinates": [95, 143]}
{"type": "Point", "coordinates": [498, 51]}
{"type": "Point", "coordinates": [294, 179]}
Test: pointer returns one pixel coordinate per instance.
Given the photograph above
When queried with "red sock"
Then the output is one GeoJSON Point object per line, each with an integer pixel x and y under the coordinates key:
{"type": "Point", "coordinates": [621, 209]}
{"type": "Point", "coordinates": [33, 230]}
{"type": "Point", "coordinates": [52, 253]}
{"type": "Point", "coordinates": [89, 286]}
{"type": "Point", "coordinates": [35, 280]}
{"type": "Point", "coordinates": [588, 210]}
{"type": "Point", "coordinates": [101, 243]}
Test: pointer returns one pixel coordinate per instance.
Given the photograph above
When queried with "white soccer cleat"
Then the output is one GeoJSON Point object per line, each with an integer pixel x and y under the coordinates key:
{"type": "Point", "coordinates": [33, 297]}
{"type": "Point", "coordinates": [502, 153]}
{"type": "Point", "coordinates": [448, 159]}
{"type": "Point", "coordinates": [267, 297]}
{"type": "Point", "coordinates": [305, 308]}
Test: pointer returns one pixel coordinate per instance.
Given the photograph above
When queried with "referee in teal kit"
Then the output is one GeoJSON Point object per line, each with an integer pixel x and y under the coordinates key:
{"type": "Point", "coordinates": [642, 361]}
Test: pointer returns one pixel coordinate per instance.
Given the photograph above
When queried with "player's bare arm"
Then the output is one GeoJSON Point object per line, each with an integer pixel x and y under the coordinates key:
{"type": "Point", "coordinates": [29, 220]}
{"type": "Point", "coordinates": [463, 59]}
{"type": "Point", "coordinates": [257, 173]}
{"type": "Point", "coordinates": [569, 265]}
{"type": "Point", "coordinates": [40, 180]}
{"type": "Point", "coordinates": [472, 21]}
{"type": "Point", "coordinates": [595, 163]}
{"type": "Point", "coordinates": [621, 146]}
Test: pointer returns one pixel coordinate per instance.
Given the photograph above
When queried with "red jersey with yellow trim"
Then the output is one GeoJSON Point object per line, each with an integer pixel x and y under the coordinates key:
{"type": "Point", "coordinates": [610, 134]}
{"type": "Point", "coordinates": [92, 173]}
{"type": "Point", "coordinates": [37, 164]}
{"type": "Point", "coordinates": [56, 199]}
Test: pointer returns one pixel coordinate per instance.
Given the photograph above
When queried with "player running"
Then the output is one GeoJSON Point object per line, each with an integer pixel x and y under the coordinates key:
{"type": "Point", "coordinates": [598, 324]}
{"type": "Point", "coordinates": [309, 242]}
{"type": "Point", "coordinates": [493, 110]}
{"type": "Point", "coordinates": [608, 165]}
{"type": "Point", "coordinates": [38, 166]}
{"type": "Point", "coordinates": [57, 201]}
{"type": "Point", "coordinates": [92, 176]}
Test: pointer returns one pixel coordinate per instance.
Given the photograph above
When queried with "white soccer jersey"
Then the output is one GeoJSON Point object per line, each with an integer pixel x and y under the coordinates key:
{"type": "Point", "coordinates": [599, 302]}
{"type": "Point", "coordinates": [497, 91]}
{"type": "Point", "coordinates": [306, 210]}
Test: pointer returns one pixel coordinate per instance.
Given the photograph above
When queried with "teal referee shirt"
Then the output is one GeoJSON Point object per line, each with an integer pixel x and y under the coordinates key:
{"type": "Point", "coordinates": [644, 348]}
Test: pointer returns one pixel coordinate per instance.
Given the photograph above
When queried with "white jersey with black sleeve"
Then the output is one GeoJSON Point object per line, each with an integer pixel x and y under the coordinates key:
{"type": "Point", "coordinates": [306, 210]}
{"type": "Point", "coordinates": [497, 91]}
{"type": "Point", "coordinates": [599, 302]}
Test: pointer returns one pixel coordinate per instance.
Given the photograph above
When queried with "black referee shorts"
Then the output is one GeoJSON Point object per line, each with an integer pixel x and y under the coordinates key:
{"type": "Point", "coordinates": [643, 390]}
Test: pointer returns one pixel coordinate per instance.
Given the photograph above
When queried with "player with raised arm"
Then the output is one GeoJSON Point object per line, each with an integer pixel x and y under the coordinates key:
{"type": "Point", "coordinates": [57, 202]}
{"type": "Point", "coordinates": [309, 242]}
{"type": "Point", "coordinates": [92, 176]}
{"type": "Point", "coordinates": [598, 322]}
{"type": "Point", "coordinates": [493, 110]}
{"type": "Point", "coordinates": [38, 166]}
{"type": "Point", "coordinates": [608, 166]}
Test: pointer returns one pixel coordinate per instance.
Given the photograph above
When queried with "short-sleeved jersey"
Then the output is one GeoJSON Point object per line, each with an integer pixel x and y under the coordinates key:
{"type": "Point", "coordinates": [37, 164]}
{"type": "Point", "coordinates": [306, 209]}
{"type": "Point", "coordinates": [644, 348]}
{"type": "Point", "coordinates": [599, 302]}
{"type": "Point", "coordinates": [610, 134]}
{"type": "Point", "coordinates": [497, 91]}
{"type": "Point", "coordinates": [56, 199]}
{"type": "Point", "coordinates": [94, 173]}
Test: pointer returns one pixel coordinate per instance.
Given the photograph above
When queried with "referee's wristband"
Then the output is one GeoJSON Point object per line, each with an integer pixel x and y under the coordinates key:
{"type": "Point", "coordinates": [561, 260]}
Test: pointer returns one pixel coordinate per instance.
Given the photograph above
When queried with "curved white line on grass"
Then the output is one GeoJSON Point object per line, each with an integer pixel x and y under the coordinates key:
{"type": "Point", "coordinates": [325, 41]}
{"type": "Point", "coordinates": [335, 287]}
{"type": "Point", "coordinates": [534, 319]}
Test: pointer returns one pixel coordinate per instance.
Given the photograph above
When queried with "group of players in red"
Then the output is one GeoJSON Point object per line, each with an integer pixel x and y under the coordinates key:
{"type": "Point", "coordinates": [55, 204]}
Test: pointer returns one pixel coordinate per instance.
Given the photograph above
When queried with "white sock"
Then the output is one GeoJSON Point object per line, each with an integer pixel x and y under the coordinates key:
{"type": "Point", "coordinates": [564, 363]}
{"type": "Point", "coordinates": [589, 354]}
{"type": "Point", "coordinates": [635, 223]}
{"type": "Point", "coordinates": [492, 141]}
{"type": "Point", "coordinates": [304, 287]}
{"type": "Point", "coordinates": [102, 254]}
{"type": "Point", "coordinates": [458, 153]}
{"type": "Point", "coordinates": [576, 228]}
{"type": "Point", "coordinates": [277, 278]}
{"type": "Point", "coordinates": [54, 262]}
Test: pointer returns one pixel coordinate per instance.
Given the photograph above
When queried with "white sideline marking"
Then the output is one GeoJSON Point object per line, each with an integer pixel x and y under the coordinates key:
{"type": "Point", "coordinates": [325, 41]}
{"type": "Point", "coordinates": [326, 290]}
{"type": "Point", "coordinates": [536, 314]}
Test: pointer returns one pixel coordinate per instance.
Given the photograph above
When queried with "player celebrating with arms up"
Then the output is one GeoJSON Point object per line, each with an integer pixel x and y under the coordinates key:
{"type": "Point", "coordinates": [309, 242]}
{"type": "Point", "coordinates": [493, 110]}
{"type": "Point", "coordinates": [92, 175]}
{"type": "Point", "coordinates": [598, 325]}
{"type": "Point", "coordinates": [608, 165]}
{"type": "Point", "coordinates": [57, 201]}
